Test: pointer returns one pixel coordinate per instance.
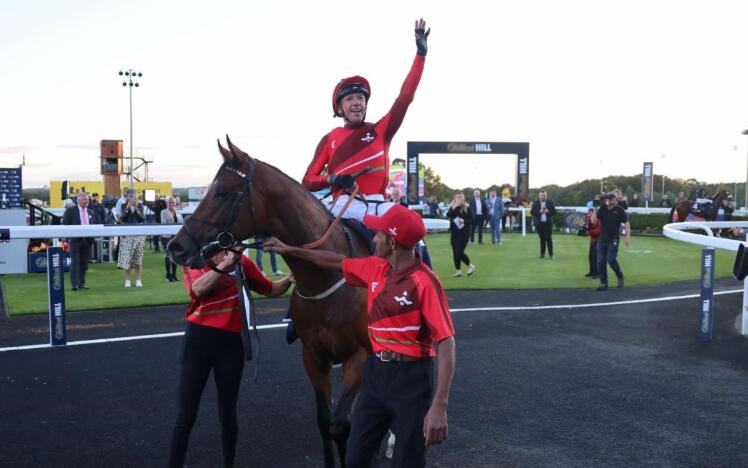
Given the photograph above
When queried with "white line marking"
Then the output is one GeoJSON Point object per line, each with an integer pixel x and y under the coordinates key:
{"type": "Point", "coordinates": [473, 309]}
{"type": "Point", "coordinates": [595, 304]}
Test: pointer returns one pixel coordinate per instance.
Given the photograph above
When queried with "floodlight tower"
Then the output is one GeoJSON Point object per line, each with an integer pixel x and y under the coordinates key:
{"type": "Point", "coordinates": [130, 75]}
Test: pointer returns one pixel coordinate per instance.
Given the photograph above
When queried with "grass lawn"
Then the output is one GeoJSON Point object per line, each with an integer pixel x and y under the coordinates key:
{"type": "Point", "coordinates": [513, 265]}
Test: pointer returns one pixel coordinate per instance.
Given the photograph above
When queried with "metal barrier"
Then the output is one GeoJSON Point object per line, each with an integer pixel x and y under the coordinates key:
{"type": "Point", "coordinates": [677, 231]}
{"type": "Point", "coordinates": [55, 275]}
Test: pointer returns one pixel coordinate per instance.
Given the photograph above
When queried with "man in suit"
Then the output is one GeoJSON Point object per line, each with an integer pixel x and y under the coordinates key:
{"type": "Point", "coordinates": [479, 207]}
{"type": "Point", "coordinates": [80, 247]}
{"type": "Point", "coordinates": [495, 208]}
{"type": "Point", "coordinates": [542, 212]}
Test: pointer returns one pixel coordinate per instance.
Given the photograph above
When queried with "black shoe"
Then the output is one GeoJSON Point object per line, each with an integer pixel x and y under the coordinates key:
{"type": "Point", "coordinates": [620, 281]}
{"type": "Point", "coordinates": [542, 256]}
{"type": "Point", "coordinates": [602, 287]}
{"type": "Point", "coordinates": [75, 288]}
{"type": "Point", "coordinates": [589, 275]}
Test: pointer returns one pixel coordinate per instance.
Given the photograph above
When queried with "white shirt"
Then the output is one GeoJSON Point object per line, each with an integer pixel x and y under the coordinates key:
{"type": "Point", "coordinates": [478, 206]}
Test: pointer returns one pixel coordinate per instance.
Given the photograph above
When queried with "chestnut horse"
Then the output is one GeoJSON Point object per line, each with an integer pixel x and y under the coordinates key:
{"type": "Point", "coordinates": [680, 211]}
{"type": "Point", "coordinates": [249, 197]}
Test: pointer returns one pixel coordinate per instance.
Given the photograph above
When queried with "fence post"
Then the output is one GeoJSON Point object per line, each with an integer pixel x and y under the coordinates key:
{"type": "Point", "coordinates": [56, 292]}
{"type": "Point", "coordinates": [744, 324]}
{"type": "Point", "coordinates": [706, 313]}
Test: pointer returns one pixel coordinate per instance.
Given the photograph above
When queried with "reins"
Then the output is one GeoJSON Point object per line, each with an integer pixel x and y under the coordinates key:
{"type": "Point", "coordinates": [321, 240]}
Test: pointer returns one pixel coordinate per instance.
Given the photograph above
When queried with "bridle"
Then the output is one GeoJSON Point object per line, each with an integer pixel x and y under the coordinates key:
{"type": "Point", "coordinates": [225, 239]}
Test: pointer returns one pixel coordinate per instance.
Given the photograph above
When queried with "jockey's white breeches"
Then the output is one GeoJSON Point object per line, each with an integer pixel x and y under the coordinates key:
{"type": "Point", "coordinates": [376, 206]}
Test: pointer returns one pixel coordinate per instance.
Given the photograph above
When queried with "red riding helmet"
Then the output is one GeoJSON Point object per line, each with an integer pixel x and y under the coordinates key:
{"type": "Point", "coordinates": [346, 86]}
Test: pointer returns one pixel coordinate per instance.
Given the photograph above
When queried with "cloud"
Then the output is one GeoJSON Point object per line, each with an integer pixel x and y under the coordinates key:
{"type": "Point", "coordinates": [78, 146]}
{"type": "Point", "coordinates": [16, 149]}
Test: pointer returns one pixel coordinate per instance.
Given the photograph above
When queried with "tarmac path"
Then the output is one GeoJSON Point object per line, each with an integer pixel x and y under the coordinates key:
{"type": "Point", "coordinates": [623, 385]}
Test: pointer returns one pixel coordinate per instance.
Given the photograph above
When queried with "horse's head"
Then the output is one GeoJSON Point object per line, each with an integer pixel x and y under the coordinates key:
{"type": "Point", "coordinates": [225, 215]}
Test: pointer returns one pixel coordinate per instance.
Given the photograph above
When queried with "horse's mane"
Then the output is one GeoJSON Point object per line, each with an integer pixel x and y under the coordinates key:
{"type": "Point", "coordinates": [296, 183]}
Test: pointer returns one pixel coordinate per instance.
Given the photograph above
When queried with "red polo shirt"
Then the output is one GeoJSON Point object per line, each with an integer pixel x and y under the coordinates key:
{"type": "Point", "coordinates": [408, 309]}
{"type": "Point", "coordinates": [222, 309]}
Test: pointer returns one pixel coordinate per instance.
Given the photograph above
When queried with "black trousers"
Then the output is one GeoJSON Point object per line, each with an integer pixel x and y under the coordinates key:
{"type": "Point", "coordinates": [545, 232]}
{"type": "Point", "coordinates": [80, 252]}
{"type": "Point", "coordinates": [396, 396]}
{"type": "Point", "coordinates": [592, 255]}
{"type": "Point", "coordinates": [477, 226]}
{"type": "Point", "coordinates": [206, 349]}
{"type": "Point", "coordinates": [459, 243]}
{"type": "Point", "coordinates": [171, 268]}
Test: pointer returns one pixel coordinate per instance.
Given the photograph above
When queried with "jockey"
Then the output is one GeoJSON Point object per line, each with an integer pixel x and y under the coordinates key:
{"type": "Point", "coordinates": [359, 145]}
{"type": "Point", "coordinates": [701, 200]}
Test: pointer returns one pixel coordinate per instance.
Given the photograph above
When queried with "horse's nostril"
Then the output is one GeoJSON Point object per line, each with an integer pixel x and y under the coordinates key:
{"type": "Point", "coordinates": [174, 247]}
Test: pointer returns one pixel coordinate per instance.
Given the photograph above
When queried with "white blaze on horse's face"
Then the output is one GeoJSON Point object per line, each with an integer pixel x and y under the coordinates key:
{"type": "Point", "coordinates": [354, 107]}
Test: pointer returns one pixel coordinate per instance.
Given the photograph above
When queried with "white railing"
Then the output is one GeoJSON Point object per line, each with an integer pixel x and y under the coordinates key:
{"type": "Point", "coordinates": [92, 230]}
{"type": "Point", "coordinates": [678, 231]}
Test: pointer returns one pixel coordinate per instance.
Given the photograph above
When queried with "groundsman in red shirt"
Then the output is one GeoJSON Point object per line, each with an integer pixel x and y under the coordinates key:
{"type": "Point", "coordinates": [409, 324]}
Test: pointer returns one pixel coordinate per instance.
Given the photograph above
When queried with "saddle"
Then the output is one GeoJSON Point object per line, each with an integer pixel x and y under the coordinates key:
{"type": "Point", "coordinates": [703, 209]}
{"type": "Point", "coordinates": [363, 232]}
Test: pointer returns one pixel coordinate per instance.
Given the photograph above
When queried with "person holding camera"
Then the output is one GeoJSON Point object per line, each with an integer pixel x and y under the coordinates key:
{"type": "Point", "coordinates": [131, 247]}
{"type": "Point", "coordinates": [612, 215]}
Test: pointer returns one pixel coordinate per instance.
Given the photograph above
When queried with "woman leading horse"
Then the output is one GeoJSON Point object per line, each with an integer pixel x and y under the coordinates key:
{"type": "Point", "coordinates": [249, 197]}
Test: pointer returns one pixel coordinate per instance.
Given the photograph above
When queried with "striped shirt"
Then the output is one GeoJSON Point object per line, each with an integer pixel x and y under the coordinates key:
{"type": "Point", "coordinates": [408, 309]}
{"type": "Point", "coordinates": [222, 309]}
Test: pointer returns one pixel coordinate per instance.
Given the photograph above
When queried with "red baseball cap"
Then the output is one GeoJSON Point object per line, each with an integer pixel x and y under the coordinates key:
{"type": "Point", "coordinates": [400, 223]}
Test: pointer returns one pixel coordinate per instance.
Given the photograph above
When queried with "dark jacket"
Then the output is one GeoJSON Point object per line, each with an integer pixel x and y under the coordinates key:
{"type": "Point", "coordinates": [132, 217]}
{"type": "Point", "coordinates": [474, 207]}
{"type": "Point", "coordinates": [466, 213]}
{"type": "Point", "coordinates": [535, 211]}
{"type": "Point", "coordinates": [72, 217]}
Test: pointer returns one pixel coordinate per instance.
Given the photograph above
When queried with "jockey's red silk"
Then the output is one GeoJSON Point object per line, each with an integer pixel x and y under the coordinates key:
{"type": "Point", "coordinates": [346, 150]}
{"type": "Point", "coordinates": [222, 309]}
{"type": "Point", "coordinates": [407, 309]}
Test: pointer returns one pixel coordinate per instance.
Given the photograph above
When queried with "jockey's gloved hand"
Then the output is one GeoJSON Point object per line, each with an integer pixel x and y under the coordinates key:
{"type": "Point", "coordinates": [422, 36]}
{"type": "Point", "coordinates": [344, 181]}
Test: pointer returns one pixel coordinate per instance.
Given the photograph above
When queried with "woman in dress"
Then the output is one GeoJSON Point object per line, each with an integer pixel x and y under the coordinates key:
{"type": "Point", "coordinates": [131, 247]}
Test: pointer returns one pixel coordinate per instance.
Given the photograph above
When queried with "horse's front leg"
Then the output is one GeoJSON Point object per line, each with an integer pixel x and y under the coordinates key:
{"type": "Point", "coordinates": [340, 427]}
{"type": "Point", "coordinates": [319, 376]}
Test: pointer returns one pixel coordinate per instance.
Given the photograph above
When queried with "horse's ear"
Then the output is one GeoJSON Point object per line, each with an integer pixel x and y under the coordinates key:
{"type": "Point", "coordinates": [224, 152]}
{"type": "Point", "coordinates": [236, 152]}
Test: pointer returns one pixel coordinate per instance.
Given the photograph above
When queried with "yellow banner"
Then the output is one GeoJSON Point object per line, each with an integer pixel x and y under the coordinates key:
{"type": "Point", "coordinates": [74, 187]}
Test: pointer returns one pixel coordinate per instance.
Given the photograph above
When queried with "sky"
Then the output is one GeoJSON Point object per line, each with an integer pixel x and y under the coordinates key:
{"type": "Point", "coordinates": [596, 87]}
